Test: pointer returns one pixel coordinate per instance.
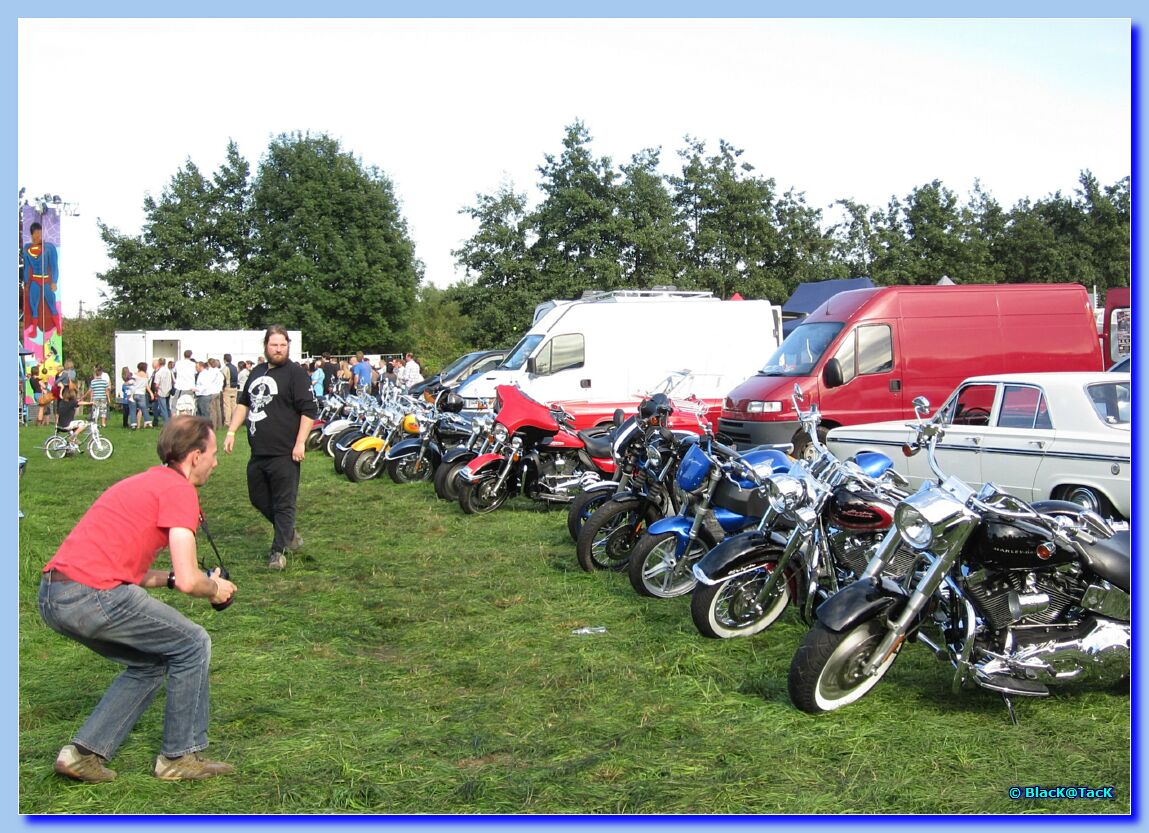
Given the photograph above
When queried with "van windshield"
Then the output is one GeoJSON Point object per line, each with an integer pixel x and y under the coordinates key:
{"type": "Point", "coordinates": [800, 352]}
{"type": "Point", "coordinates": [523, 349]}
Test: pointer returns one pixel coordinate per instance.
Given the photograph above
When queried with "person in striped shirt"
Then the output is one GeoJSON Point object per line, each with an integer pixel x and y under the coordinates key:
{"type": "Point", "coordinates": [98, 388]}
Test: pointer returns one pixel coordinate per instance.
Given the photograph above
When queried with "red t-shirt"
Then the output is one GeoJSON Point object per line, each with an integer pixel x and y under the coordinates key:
{"type": "Point", "coordinates": [117, 539]}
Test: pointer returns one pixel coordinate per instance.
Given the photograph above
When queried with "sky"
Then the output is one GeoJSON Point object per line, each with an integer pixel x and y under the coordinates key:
{"type": "Point", "coordinates": [450, 108]}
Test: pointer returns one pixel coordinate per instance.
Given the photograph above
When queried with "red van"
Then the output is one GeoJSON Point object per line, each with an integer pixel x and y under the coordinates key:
{"type": "Point", "coordinates": [865, 354]}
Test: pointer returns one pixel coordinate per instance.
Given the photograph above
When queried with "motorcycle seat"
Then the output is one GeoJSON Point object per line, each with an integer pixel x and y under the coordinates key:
{"type": "Point", "coordinates": [597, 445]}
{"type": "Point", "coordinates": [1109, 558]}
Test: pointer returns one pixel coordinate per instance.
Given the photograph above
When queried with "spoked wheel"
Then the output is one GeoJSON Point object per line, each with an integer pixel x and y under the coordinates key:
{"type": "Point", "coordinates": [100, 448]}
{"type": "Point", "coordinates": [582, 507]}
{"type": "Point", "coordinates": [446, 480]}
{"type": "Point", "coordinates": [655, 570]}
{"type": "Point", "coordinates": [481, 496]}
{"type": "Point", "coordinates": [609, 535]}
{"type": "Point", "coordinates": [826, 672]}
{"type": "Point", "coordinates": [410, 469]}
{"type": "Point", "coordinates": [737, 606]}
{"type": "Point", "coordinates": [56, 448]}
{"type": "Point", "coordinates": [362, 465]}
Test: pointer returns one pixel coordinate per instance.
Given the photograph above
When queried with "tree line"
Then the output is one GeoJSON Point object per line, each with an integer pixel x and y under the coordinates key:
{"type": "Point", "coordinates": [316, 240]}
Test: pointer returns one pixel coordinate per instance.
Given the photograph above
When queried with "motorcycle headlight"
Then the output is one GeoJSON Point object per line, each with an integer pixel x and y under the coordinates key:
{"type": "Point", "coordinates": [913, 526]}
{"type": "Point", "coordinates": [783, 492]}
{"type": "Point", "coordinates": [653, 457]}
{"type": "Point", "coordinates": [500, 432]}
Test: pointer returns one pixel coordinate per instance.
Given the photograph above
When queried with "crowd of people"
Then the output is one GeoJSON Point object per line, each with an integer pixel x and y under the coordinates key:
{"type": "Point", "coordinates": [358, 373]}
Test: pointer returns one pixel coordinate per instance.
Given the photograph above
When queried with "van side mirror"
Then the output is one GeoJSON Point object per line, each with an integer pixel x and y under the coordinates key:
{"type": "Point", "coordinates": [832, 374]}
{"type": "Point", "coordinates": [531, 367]}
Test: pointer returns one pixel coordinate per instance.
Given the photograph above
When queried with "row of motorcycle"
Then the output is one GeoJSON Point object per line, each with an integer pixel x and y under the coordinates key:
{"type": "Point", "coordinates": [1015, 597]}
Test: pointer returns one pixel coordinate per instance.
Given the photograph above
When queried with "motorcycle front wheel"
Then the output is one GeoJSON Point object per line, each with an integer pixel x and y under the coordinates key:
{"type": "Point", "coordinates": [409, 469]}
{"type": "Point", "coordinates": [315, 439]}
{"type": "Point", "coordinates": [737, 607]}
{"type": "Point", "coordinates": [100, 449]}
{"type": "Point", "coordinates": [582, 507]}
{"type": "Point", "coordinates": [481, 496]}
{"type": "Point", "coordinates": [609, 535]}
{"type": "Point", "coordinates": [361, 465]}
{"type": "Point", "coordinates": [446, 480]}
{"type": "Point", "coordinates": [655, 571]}
{"type": "Point", "coordinates": [826, 672]}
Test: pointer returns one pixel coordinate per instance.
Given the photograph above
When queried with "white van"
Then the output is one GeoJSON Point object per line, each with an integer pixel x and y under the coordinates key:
{"type": "Point", "coordinates": [612, 345]}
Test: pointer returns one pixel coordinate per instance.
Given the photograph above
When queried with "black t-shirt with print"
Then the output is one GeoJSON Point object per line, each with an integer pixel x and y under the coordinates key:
{"type": "Point", "coordinates": [276, 397]}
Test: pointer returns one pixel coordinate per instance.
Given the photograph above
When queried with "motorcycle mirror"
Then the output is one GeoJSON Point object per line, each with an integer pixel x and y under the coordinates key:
{"type": "Point", "coordinates": [921, 406]}
{"type": "Point", "coordinates": [798, 392]}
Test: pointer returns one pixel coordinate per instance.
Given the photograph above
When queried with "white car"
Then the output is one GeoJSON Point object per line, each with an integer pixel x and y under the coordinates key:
{"type": "Point", "coordinates": [1039, 436]}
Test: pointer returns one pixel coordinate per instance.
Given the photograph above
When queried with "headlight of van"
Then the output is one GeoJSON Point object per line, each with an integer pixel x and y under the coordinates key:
{"type": "Point", "coordinates": [757, 407]}
{"type": "Point", "coordinates": [913, 526]}
{"type": "Point", "coordinates": [500, 432]}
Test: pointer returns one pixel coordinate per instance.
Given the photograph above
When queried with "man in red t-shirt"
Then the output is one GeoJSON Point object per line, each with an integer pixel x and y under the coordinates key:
{"type": "Point", "coordinates": [92, 591]}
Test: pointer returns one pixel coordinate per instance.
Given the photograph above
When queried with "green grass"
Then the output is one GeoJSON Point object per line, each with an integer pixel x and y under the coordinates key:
{"type": "Point", "coordinates": [416, 660]}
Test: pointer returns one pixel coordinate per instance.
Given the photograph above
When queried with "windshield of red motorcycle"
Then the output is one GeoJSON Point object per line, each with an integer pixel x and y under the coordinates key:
{"type": "Point", "coordinates": [519, 411]}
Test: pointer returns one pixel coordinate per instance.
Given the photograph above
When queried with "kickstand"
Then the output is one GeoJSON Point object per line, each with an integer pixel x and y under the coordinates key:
{"type": "Point", "coordinates": [1009, 706]}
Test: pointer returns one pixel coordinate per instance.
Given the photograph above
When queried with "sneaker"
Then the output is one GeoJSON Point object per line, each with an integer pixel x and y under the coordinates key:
{"type": "Point", "coordinates": [191, 767]}
{"type": "Point", "coordinates": [277, 561]}
{"type": "Point", "coordinates": [73, 764]}
{"type": "Point", "coordinates": [296, 541]}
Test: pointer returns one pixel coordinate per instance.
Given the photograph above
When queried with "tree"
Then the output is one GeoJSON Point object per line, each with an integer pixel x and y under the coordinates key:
{"type": "Point", "coordinates": [332, 255]}
{"type": "Point", "coordinates": [438, 329]}
{"type": "Point", "coordinates": [651, 248]}
{"type": "Point", "coordinates": [183, 270]}
{"type": "Point", "coordinates": [90, 342]}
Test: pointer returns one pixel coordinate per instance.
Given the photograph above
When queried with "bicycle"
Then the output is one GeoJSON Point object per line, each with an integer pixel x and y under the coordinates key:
{"type": "Point", "coordinates": [67, 443]}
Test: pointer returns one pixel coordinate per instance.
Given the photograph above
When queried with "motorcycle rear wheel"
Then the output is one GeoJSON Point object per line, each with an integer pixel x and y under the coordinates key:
{"type": "Point", "coordinates": [609, 535]}
{"type": "Point", "coordinates": [409, 469]}
{"type": "Point", "coordinates": [582, 507]}
{"type": "Point", "coordinates": [362, 465]}
{"type": "Point", "coordinates": [315, 439]}
{"type": "Point", "coordinates": [735, 607]}
{"type": "Point", "coordinates": [825, 673]}
{"type": "Point", "coordinates": [654, 571]}
{"type": "Point", "coordinates": [480, 496]}
{"type": "Point", "coordinates": [446, 480]}
{"type": "Point", "coordinates": [100, 449]}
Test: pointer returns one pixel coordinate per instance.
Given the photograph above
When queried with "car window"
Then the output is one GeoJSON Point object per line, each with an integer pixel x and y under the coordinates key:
{"type": "Point", "coordinates": [487, 364]}
{"type": "Point", "coordinates": [560, 353]}
{"type": "Point", "coordinates": [875, 349]}
{"type": "Point", "coordinates": [1111, 402]}
{"type": "Point", "coordinates": [1023, 406]}
{"type": "Point", "coordinates": [971, 406]}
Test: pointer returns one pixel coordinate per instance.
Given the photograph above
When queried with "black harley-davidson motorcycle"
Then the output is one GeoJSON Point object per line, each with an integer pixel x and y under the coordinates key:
{"type": "Point", "coordinates": [1017, 598]}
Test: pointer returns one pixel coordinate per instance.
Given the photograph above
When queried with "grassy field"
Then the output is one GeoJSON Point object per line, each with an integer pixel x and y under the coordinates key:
{"type": "Point", "coordinates": [416, 660]}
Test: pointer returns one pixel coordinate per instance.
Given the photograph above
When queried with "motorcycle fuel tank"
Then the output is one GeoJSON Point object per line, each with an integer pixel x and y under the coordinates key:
{"type": "Point", "coordinates": [860, 510]}
{"type": "Point", "coordinates": [1003, 544]}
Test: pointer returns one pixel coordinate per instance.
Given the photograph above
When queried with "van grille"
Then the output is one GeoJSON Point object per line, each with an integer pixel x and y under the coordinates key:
{"type": "Point", "coordinates": [736, 431]}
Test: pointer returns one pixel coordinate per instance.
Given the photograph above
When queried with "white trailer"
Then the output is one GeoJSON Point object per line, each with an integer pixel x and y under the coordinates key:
{"type": "Point", "coordinates": [135, 346]}
{"type": "Point", "coordinates": [612, 345]}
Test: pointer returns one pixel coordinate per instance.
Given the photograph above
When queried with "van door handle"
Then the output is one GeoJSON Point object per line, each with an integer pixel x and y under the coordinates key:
{"type": "Point", "coordinates": [1038, 443]}
{"type": "Point", "coordinates": [584, 383]}
{"type": "Point", "coordinates": [895, 385]}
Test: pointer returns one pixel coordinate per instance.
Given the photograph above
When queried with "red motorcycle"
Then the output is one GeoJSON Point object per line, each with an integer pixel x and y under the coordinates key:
{"type": "Point", "coordinates": [541, 457]}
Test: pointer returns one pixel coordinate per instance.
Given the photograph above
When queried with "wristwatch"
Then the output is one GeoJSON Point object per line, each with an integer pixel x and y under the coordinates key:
{"type": "Point", "coordinates": [171, 580]}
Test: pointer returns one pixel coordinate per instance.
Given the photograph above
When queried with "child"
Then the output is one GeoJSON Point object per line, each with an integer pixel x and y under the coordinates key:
{"type": "Point", "coordinates": [66, 412]}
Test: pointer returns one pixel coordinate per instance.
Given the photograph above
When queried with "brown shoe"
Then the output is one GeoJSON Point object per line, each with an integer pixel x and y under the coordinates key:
{"type": "Point", "coordinates": [191, 767]}
{"type": "Point", "coordinates": [296, 542]}
{"type": "Point", "coordinates": [73, 764]}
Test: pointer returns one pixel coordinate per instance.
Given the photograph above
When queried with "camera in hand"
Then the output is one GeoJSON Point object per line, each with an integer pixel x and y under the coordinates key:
{"type": "Point", "coordinates": [223, 573]}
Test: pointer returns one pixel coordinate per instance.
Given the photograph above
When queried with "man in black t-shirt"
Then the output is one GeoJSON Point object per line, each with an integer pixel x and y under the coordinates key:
{"type": "Point", "coordinates": [279, 408]}
{"type": "Point", "coordinates": [330, 375]}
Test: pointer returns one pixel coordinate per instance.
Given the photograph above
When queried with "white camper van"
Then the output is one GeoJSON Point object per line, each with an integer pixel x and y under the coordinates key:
{"type": "Point", "coordinates": [612, 345]}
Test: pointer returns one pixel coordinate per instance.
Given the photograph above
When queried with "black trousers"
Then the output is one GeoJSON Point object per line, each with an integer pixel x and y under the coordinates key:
{"type": "Point", "coordinates": [273, 486]}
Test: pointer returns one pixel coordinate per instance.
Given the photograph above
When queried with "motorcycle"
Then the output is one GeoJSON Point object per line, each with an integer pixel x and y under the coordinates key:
{"type": "Point", "coordinates": [722, 496]}
{"type": "Point", "coordinates": [331, 408]}
{"type": "Point", "coordinates": [643, 494]}
{"type": "Point", "coordinates": [400, 418]}
{"type": "Point", "coordinates": [834, 511]}
{"type": "Point", "coordinates": [542, 458]}
{"type": "Point", "coordinates": [479, 441]}
{"type": "Point", "coordinates": [1015, 597]}
{"type": "Point", "coordinates": [416, 458]}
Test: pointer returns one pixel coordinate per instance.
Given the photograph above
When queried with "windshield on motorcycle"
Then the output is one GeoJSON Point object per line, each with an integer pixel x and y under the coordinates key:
{"type": "Point", "coordinates": [518, 357]}
{"type": "Point", "coordinates": [800, 352]}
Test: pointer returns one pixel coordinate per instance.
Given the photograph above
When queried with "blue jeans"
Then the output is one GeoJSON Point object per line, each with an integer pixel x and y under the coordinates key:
{"type": "Point", "coordinates": [154, 641]}
{"type": "Point", "coordinates": [140, 405]}
{"type": "Point", "coordinates": [160, 408]}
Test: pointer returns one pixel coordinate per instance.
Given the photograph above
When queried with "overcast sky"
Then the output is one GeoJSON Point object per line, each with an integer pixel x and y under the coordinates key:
{"type": "Point", "coordinates": [860, 109]}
